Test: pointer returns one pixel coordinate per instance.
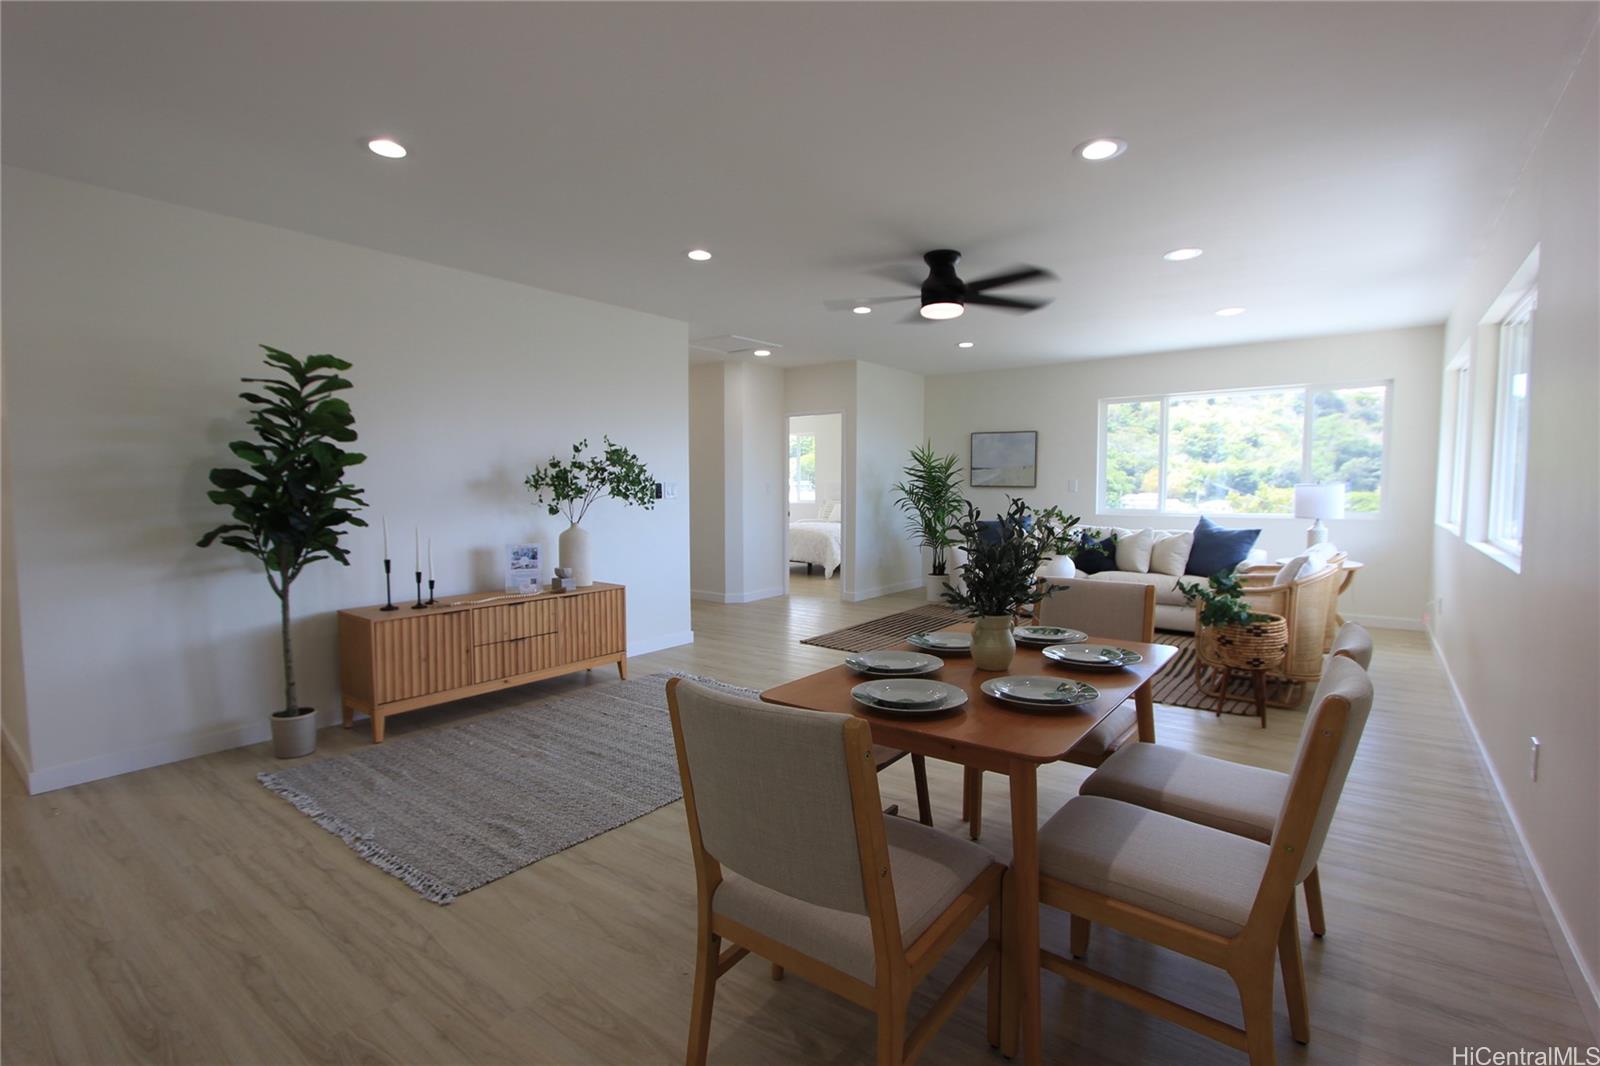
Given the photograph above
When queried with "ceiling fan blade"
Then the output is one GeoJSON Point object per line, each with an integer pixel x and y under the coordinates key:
{"type": "Point", "coordinates": [1017, 276]}
{"type": "Point", "coordinates": [903, 274]}
{"type": "Point", "coordinates": [1007, 303]}
{"type": "Point", "coordinates": [874, 301]}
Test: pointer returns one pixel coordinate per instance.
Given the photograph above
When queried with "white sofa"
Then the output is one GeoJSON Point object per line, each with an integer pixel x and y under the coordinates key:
{"type": "Point", "coordinates": [1156, 560]}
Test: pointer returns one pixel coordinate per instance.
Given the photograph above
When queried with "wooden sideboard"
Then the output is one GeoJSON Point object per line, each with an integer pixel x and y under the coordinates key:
{"type": "Point", "coordinates": [391, 662]}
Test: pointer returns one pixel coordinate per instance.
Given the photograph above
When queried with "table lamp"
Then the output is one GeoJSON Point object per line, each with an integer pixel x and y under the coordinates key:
{"type": "Point", "coordinates": [1318, 502]}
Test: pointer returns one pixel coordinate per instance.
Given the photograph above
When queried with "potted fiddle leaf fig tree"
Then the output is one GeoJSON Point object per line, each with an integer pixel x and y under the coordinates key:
{"type": "Point", "coordinates": [290, 503]}
{"type": "Point", "coordinates": [1000, 574]}
{"type": "Point", "coordinates": [570, 488]}
{"type": "Point", "coordinates": [930, 498]}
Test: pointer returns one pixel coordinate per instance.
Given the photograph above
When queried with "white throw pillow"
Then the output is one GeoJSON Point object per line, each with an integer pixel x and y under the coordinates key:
{"type": "Point", "coordinates": [1170, 554]}
{"type": "Point", "coordinates": [1290, 570]}
{"type": "Point", "coordinates": [829, 511]}
{"type": "Point", "coordinates": [1133, 551]}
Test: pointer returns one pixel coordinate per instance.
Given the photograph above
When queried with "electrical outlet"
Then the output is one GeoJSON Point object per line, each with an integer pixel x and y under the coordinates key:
{"type": "Point", "coordinates": [1533, 759]}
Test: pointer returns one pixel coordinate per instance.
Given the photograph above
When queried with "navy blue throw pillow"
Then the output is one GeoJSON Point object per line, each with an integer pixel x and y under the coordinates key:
{"type": "Point", "coordinates": [1216, 549]}
{"type": "Point", "coordinates": [1097, 555]}
{"type": "Point", "coordinates": [992, 530]}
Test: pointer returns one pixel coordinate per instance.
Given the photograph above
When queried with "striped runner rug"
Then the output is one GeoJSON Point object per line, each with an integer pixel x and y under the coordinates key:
{"type": "Point", "coordinates": [1174, 683]}
{"type": "Point", "coordinates": [889, 630]}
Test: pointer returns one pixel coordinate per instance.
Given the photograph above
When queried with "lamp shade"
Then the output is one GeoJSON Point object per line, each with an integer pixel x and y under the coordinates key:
{"type": "Point", "coordinates": [1319, 501]}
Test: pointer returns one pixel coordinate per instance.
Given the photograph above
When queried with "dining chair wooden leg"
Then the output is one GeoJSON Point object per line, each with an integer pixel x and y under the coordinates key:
{"type": "Point", "coordinates": [966, 794]}
{"type": "Point", "coordinates": [1294, 975]}
{"type": "Point", "coordinates": [1255, 997]}
{"type": "Point", "coordinates": [919, 773]}
{"type": "Point", "coordinates": [891, 1031]}
{"type": "Point", "coordinates": [709, 946]}
{"type": "Point", "coordinates": [1024, 947]}
{"type": "Point", "coordinates": [1080, 937]}
{"type": "Point", "coordinates": [1314, 904]}
{"type": "Point", "coordinates": [777, 972]}
{"type": "Point", "coordinates": [997, 967]}
{"type": "Point", "coordinates": [974, 792]}
{"type": "Point", "coordinates": [1010, 1009]}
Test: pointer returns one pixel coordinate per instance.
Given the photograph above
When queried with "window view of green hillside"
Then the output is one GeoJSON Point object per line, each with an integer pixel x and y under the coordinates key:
{"type": "Point", "coordinates": [1243, 452]}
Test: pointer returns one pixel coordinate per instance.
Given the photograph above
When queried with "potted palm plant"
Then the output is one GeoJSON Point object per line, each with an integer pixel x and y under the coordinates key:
{"type": "Point", "coordinates": [930, 499]}
{"type": "Point", "coordinates": [291, 503]}
{"type": "Point", "coordinates": [1000, 574]}
{"type": "Point", "coordinates": [570, 488]}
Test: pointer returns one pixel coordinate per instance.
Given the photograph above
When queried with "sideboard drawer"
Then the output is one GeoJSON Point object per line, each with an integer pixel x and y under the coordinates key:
{"type": "Point", "coordinates": [511, 658]}
{"type": "Point", "coordinates": [513, 621]}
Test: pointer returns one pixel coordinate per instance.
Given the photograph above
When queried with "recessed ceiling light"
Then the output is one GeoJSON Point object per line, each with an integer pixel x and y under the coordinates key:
{"type": "Point", "coordinates": [942, 309]}
{"type": "Point", "coordinates": [699, 255]}
{"type": "Point", "coordinates": [862, 310]}
{"type": "Point", "coordinates": [388, 149]}
{"type": "Point", "coordinates": [1178, 255]}
{"type": "Point", "coordinates": [762, 352]}
{"type": "Point", "coordinates": [1101, 148]}
{"type": "Point", "coordinates": [963, 344]}
{"type": "Point", "coordinates": [1229, 312]}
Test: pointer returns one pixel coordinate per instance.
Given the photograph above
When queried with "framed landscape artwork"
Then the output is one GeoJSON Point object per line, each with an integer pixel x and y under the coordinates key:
{"type": "Point", "coordinates": [1005, 460]}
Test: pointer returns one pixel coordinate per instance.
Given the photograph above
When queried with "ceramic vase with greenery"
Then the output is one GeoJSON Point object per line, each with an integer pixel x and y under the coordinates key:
{"type": "Point", "coordinates": [1231, 633]}
{"type": "Point", "coordinates": [291, 502]}
{"type": "Point", "coordinates": [999, 576]}
{"type": "Point", "coordinates": [930, 498]}
{"type": "Point", "coordinates": [571, 487]}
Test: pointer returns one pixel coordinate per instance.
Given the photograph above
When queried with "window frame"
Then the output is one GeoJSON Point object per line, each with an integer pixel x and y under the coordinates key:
{"type": "Point", "coordinates": [1308, 389]}
{"type": "Point", "coordinates": [792, 461]}
{"type": "Point", "coordinates": [1455, 442]}
{"type": "Point", "coordinates": [1504, 481]}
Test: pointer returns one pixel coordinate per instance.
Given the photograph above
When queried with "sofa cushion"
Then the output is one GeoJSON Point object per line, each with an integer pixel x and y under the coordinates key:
{"type": "Point", "coordinates": [1166, 585]}
{"type": "Point", "coordinates": [1170, 553]}
{"type": "Point", "coordinates": [1133, 551]}
{"type": "Point", "coordinates": [1216, 549]}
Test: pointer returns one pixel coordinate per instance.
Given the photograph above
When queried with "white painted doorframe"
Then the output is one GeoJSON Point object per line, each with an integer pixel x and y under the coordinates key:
{"type": "Point", "coordinates": [844, 503]}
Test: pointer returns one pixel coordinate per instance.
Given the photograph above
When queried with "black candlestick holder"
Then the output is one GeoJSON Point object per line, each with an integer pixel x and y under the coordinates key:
{"type": "Point", "coordinates": [431, 600]}
{"type": "Point", "coordinates": [419, 605]}
{"type": "Point", "coordinates": [388, 590]}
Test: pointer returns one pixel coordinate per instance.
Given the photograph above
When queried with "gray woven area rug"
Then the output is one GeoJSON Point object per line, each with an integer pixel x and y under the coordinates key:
{"type": "Point", "coordinates": [449, 810]}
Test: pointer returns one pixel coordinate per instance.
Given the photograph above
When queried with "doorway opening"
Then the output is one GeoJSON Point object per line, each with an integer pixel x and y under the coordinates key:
{"type": "Point", "coordinates": [814, 534]}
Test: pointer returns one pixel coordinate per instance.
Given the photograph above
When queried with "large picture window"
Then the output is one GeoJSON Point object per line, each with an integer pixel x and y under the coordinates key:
{"type": "Point", "coordinates": [802, 468]}
{"type": "Point", "coordinates": [1455, 436]}
{"type": "Point", "coordinates": [1242, 451]}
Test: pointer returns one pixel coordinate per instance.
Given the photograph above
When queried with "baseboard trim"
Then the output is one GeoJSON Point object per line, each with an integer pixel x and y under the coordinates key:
{"type": "Point", "coordinates": [1579, 975]}
{"type": "Point", "coordinates": [19, 761]}
{"type": "Point", "coordinates": [661, 643]}
{"type": "Point", "coordinates": [857, 595]}
{"type": "Point", "coordinates": [1386, 621]}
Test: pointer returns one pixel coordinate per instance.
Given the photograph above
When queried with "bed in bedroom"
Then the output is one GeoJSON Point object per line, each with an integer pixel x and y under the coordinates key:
{"type": "Point", "coordinates": [816, 543]}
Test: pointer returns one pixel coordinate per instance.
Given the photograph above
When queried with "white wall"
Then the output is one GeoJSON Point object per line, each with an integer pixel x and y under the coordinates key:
{"type": "Point", "coordinates": [827, 429]}
{"type": "Point", "coordinates": [1062, 403]}
{"type": "Point", "coordinates": [1523, 648]}
{"type": "Point", "coordinates": [737, 447]}
{"type": "Point", "coordinates": [890, 425]}
{"type": "Point", "coordinates": [128, 323]}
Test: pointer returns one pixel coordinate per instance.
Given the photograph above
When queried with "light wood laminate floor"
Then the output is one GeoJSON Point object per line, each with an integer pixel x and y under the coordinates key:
{"type": "Point", "coordinates": [184, 914]}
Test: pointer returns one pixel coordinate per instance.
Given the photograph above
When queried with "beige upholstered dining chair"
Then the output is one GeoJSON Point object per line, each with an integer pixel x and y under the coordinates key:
{"type": "Point", "coordinates": [1307, 602]}
{"type": "Point", "coordinates": [1114, 611]}
{"type": "Point", "coordinates": [795, 862]}
{"type": "Point", "coordinates": [1220, 898]}
{"type": "Point", "coordinates": [1235, 798]}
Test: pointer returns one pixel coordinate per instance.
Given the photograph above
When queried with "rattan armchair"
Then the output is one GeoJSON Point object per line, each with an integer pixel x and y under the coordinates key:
{"type": "Point", "coordinates": [1307, 602]}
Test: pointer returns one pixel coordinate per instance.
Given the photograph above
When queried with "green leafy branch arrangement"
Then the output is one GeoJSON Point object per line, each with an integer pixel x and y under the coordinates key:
{"type": "Point", "coordinates": [1224, 600]}
{"type": "Point", "coordinates": [292, 503]}
{"type": "Point", "coordinates": [1000, 575]}
{"type": "Point", "coordinates": [570, 487]}
{"type": "Point", "coordinates": [930, 498]}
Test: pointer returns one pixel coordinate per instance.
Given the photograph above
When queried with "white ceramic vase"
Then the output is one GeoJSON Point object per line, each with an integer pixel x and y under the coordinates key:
{"type": "Point", "coordinates": [936, 583]}
{"type": "Point", "coordinates": [574, 545]}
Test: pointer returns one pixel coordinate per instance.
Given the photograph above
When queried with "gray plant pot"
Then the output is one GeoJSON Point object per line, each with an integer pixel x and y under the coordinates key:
{"type": "Point", "coordinates": [294, 737]}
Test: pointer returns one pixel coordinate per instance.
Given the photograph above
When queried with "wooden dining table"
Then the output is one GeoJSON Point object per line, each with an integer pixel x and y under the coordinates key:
{"type": "Point", "coordinates": [986, 734]}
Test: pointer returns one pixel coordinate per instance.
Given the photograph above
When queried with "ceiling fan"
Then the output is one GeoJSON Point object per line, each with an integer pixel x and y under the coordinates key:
{"type": "Point", "coordinates": [945, 295]}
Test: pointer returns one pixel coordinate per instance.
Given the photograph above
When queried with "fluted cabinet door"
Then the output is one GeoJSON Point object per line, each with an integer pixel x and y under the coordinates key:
{"type": "Point", "coordinates": [593, 625]}
{"type": "Point", "coordinates": [417, 656]}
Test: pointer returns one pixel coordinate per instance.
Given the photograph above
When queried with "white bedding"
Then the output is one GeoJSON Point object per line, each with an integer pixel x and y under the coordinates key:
{"type": "Point", "coordinates": [818, 543]}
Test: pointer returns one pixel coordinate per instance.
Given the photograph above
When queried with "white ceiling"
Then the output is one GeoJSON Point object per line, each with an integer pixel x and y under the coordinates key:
{"type": "Point", "coordinates": [1337, 162]}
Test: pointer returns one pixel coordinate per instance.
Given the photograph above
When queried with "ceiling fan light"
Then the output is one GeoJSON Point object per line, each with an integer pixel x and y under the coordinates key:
{"type": "Point", "coordinates": [941, 310]}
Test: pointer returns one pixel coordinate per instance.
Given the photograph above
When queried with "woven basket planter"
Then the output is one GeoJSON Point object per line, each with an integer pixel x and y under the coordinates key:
{"type": "Point", "coordinates": [1255, 646]}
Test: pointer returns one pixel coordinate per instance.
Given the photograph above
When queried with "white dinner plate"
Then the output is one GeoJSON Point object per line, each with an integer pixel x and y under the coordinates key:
{"type": "Point", "coordinates": [949, 697]}
{"type": "Point", "coordinates": [1092, 656]}
{"type": "Point", "coordinates": [893, 663]}
{"type": "Point", "coordinates": [1034, 691]}
{"type": "Point", "coordinates": [950, 643]}
{"type": "Point", "coordinates": [1041, 635]}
